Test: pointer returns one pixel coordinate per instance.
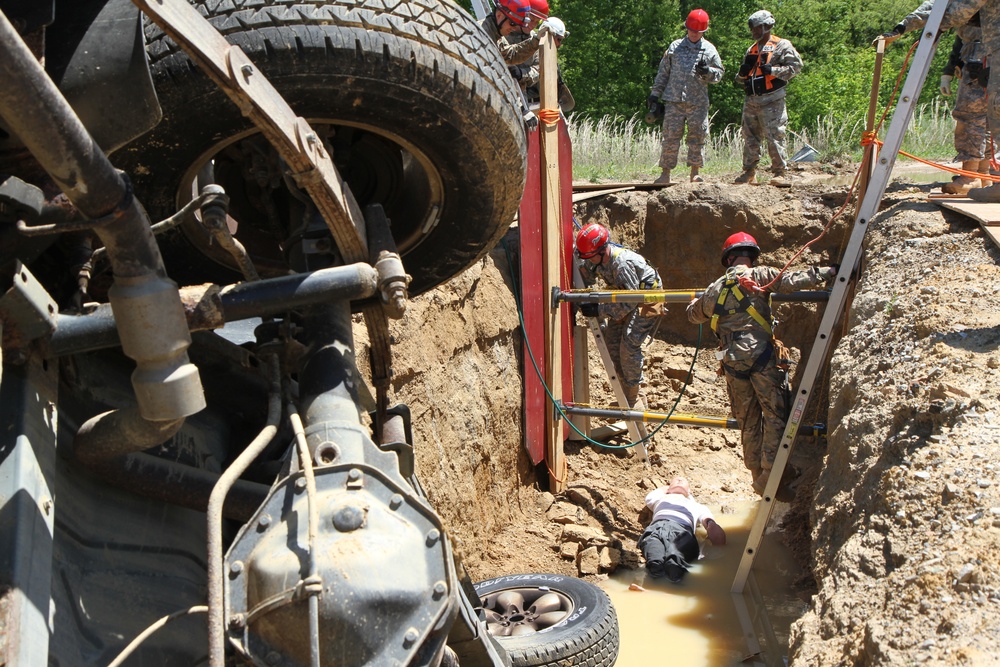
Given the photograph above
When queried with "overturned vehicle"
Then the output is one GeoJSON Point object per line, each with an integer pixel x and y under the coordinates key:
{"type": "Point", "coordinates": [194, 200]}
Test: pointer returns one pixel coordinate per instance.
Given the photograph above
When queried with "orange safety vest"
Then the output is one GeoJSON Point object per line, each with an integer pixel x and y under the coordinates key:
{"type": "Point", "coordinates": [758, 83]}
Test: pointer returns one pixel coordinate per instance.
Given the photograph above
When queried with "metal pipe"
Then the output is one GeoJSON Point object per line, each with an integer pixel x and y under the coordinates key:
{"type": "Point", "coordinates": [178, 484]}
{"type": "Point", "coordinates": [149, 313]}
{"type": "Point", "coordinates": [667, 296]}
{"type": "Point", "coordinates": [216, 591]}
{"type": "Point", "coordinates": [315, 584]}
{"type": "Point", "coordinates": [680, 419]}
{"type": "Point", "coordinates": [97, 330]}
{"type": "Point", "coordinates": [120, 432]}
{"type": "Point", "coordinates": [215, 219]}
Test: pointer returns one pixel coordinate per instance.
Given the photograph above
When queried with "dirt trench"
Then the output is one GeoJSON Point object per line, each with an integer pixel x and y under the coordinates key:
{"type": "Point", "coordinates": [897, 521]}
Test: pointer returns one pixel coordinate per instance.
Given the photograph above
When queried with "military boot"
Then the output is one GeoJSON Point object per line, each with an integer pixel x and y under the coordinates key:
{"type": "Point", "coordinates": [960, 185]}
{"type": "Point", "coordinates": [990, 194]}
{"type": "Point", "coordinates": [984, 169]}
{"type": "Point", "coordinates": [695, 178]}
{"type": "Point", "coordinates": [747, 176]}
{"type": "Point", "coordinates": [663, 178]}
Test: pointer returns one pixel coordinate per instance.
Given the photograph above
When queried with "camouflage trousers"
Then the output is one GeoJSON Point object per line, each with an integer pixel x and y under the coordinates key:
{"type": "Point", "coordinates": [970, 122]}
{"type": "Point", "coordinates": [764, 122]}
{"type": "Point", "coordinates": [675, 116]}
{"type": "Point", "coordinates": [760, 404]}
{"type": "Point", "coordinates": [624, 340]}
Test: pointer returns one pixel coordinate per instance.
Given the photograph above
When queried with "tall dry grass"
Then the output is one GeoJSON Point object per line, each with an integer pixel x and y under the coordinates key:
{"type": "Point", "coordinates": [626, 149]}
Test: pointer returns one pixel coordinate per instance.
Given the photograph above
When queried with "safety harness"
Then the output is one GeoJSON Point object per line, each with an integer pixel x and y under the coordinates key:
{"type": "Point", "coordinates": [738, 286]}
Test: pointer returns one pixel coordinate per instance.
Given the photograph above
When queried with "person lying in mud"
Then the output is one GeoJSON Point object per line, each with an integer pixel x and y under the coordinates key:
{"type": "Point", "coordinates": [669, 544]}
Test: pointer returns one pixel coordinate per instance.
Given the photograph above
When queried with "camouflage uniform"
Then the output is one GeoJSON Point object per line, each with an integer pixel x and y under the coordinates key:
{"type": "Point", "coordinates": [758, 389]}
{"type": "Point", "coordinates": [958, 13]}
{"type": "Point", "coordinates": [685, 94]}
{"type": "Point", "coordinates": [513, 52]}
{"type": "Point", "coordinates": [970, 100]}
{"type": "Point", "coordinates": [627, 328]}
{"type": "Point", "coordinates": [764, 115]}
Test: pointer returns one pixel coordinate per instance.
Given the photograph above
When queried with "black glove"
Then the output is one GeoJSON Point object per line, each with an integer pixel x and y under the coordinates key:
{"type": "Point", "coordinates": [588, 309]}
{"type": "Point", "coordinates": [701, 68]}
{"type": "Point", "coordinates": [651, 100]}
{"type": "Point", "coordinates": [515, 71]}
{"type": "Point", "coordinates": [765, 69]}
{"type": "Point", "coordinates": [974, 69]}
{"type": "Point", "coordinates": [748, 62]}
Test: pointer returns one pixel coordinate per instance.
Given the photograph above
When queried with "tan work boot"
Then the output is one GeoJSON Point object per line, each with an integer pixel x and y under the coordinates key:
{"type": "Point", "coordinates": [960, 185]}
{"type": "Point", "coordinates": [695, 178]}
{"type": "Point", "coordinates": [779, 179]}
{"type": "Point", "coordinates": [984, 169]}
{"type": "Point", "coordinates": [746, 177]}
{"type": "Point", "coordinates": [663, 178]}
{"type": "Point", "coordinates": [990, 194]}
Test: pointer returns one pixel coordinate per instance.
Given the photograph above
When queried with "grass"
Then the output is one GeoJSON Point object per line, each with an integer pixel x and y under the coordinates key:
{"type": "Point", "coordinates": [625, 149]}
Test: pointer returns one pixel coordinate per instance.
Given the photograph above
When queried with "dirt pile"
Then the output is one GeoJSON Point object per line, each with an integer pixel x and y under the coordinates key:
{"type": "Point", "coordinates": [900, 533]}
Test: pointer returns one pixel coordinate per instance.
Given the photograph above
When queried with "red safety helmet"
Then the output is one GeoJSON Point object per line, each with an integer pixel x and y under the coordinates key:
{"type": "Point", "coordinates": [515, 10]}
{"type": "Point", "coordinates": [737, 241]}
{"type": "Point", "coordinates": [697, 20]}
{"type": "Point", "coordinates": [591, 240]}
{"type": "Point", "coordinates": [539, 8]}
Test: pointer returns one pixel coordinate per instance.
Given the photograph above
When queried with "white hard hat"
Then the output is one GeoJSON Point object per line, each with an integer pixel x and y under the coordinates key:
{"type": "Point", "coordinates": [763, 17]}
{"type": "Point", "coordinates": [557, 27]}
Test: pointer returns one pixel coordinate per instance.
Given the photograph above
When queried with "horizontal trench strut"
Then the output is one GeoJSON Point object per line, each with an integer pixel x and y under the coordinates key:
{"type": "Point", "coordinates": [678, 418]}
{"type": "Point", "coordinates": [665, 296]}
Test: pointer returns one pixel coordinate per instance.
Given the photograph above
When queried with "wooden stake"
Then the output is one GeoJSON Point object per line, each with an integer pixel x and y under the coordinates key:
{"type": "Point", "coordinates": [551, 240]}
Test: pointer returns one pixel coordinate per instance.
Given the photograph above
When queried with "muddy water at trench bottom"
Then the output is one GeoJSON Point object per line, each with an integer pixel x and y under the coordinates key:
{"type": "Point", "coordinates": [697, 623]}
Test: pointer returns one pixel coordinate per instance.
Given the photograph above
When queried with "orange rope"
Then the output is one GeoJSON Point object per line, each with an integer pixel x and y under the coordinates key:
{"type": "Point", "coordinates": [549, 116]}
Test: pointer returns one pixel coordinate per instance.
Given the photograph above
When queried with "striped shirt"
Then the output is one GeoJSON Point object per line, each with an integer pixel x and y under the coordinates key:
{"type": "Point", "coordinates": [677, 507]}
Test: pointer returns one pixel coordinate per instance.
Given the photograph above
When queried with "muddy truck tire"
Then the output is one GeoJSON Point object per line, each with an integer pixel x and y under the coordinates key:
{"type": "Point", "coordinates": [415, 102]}
{"type": "Point", "coordinates": [550, 619]}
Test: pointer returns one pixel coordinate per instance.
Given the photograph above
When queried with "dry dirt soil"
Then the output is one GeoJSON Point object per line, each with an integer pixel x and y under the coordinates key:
{"type": "Point", "coordinates": [897, 514]}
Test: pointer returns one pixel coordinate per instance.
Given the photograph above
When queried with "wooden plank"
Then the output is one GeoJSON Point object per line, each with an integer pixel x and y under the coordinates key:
{"type": "Point", "coordinates": [987, 214]}
{"type": "Point", "coordinates": [581, 196]}
{"type": "Point", "coordinates": [638, 185]}
{"type": "Point", "coordinates": [551, 263]}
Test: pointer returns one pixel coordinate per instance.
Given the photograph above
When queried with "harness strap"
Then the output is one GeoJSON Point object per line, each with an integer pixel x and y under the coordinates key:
{"type": "Point", "coordinates": [743, 304]}
{"type": "Point", "coordinates": [758, 364]}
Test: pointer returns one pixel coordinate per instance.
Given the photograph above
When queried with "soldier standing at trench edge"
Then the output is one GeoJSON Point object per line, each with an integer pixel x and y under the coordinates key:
{"type": "Point", "coordinates": [961, 13]}
{"type": "Point", "coordinates": [768, 65]}
{"type": "Point", "coordinates": [629, 324]}
{"type": "Point", "coordinates": [739, 311]}
{"type": "Point", "coordinates": [686, 68]}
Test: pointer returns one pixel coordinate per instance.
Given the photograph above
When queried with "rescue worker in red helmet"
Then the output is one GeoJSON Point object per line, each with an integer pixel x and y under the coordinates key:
{"type": "Point", "coordinates": [628, 325]}
{"type": "Point", "coordinates": [512, 19]}
{"type": "Point", "coordinates": [767, 66]}
{"type": "Point", "coordinates": [528, 74]}
{"type": "Point", "coordinates": [756, 378]}
{"type": "Point", "coordinates": [686, 69]}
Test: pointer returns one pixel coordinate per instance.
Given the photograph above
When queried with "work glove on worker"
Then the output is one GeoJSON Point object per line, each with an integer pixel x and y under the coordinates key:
{"type": "Point", "coordinates": [589, 309]}
{"type": "Point", "coordinates": [530, 120]}
{"type": "Point", "coordinates": [748, 62]}
{"type": "Point", "coordinates": [946, 85]}
{"type": "Point", "coordinates": [543, 29]}
{"type": "Point", "coordinates": [830, 272]}
{"type": "Point", "coordinates": [766, 69]}
{"type": "Point", "coordinates": [515, 71]}
{"type": "Point", "coordinates": [702, 68]}
{"type": "Point", "coordinates": [891, 36]}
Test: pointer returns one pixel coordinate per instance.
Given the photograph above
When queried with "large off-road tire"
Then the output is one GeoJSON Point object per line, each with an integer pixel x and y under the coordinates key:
{"type": "Point", "coordinates": [417, 104]}
{"type": "Point", "coordinates": [549, 619]}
